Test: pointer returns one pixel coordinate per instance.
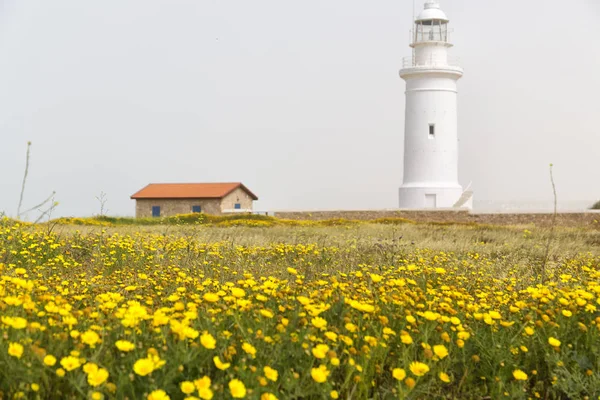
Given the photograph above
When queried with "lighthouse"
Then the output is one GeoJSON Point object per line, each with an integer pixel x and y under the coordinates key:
{"type": "Point", "coordinates": [431, 128]}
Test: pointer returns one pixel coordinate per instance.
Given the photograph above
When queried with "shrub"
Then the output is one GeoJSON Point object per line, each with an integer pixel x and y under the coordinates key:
{"type": "Point", "coordinates": [596, 206]}
{"type": "Point", "coordinates": [248, 223]}
{"type": "Point", "coordinates": [393, 221]}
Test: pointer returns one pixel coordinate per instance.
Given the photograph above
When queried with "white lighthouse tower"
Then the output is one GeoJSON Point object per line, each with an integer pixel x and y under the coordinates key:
{"type": "Point", "coordinates": [431, 131]}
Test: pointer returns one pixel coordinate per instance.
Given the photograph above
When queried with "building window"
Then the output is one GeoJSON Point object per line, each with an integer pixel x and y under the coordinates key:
{"type": "Point", "coordinates": [431, 131]}
{"type": "Point", "coordinates": [156, 211]}
{"type": "Point", "coordinates": [237, 206]}
{"type": "Point", "coordinates": [196, 209]}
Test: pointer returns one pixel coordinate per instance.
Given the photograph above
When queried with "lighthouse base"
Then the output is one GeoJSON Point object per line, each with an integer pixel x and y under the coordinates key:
{"type": "Point", "coordinates": [429, 197]}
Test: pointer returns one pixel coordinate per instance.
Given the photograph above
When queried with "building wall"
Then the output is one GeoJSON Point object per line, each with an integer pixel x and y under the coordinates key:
{"type": "Point", "coordinates": [239, 195]}
{"type": "Point", "coordinates": [168, 207]}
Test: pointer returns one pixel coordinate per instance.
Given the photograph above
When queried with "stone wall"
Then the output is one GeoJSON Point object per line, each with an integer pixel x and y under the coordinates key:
{"type": "Point", "coordinates": [168, 207]}
{"type": "Point", "coordinates": [239, 195]}
{"type": "Point", "coordinates": [541, 219]}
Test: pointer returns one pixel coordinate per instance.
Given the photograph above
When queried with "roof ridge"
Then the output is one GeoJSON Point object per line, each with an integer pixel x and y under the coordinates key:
{"type": "Point", "coordinates": [190, 190]}
{"type": "Point", "coordinates": [194, 183]}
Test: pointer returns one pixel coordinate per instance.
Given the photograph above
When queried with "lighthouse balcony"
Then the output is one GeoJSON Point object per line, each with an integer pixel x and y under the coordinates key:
{"type": "Point", "coordinates": [431, 60]}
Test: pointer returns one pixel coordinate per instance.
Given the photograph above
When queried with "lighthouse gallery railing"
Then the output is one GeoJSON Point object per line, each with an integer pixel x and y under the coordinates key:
{"type": "Point", "coordinates": [435, 61]}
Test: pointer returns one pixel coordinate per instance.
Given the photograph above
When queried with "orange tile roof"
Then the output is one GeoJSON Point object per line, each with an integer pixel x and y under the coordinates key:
{"type": "Point", "coordinates": [189, 191]}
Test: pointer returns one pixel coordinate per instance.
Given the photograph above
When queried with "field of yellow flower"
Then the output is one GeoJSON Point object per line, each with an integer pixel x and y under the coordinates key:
{"type": "Point", "coordinates": [195, 315]}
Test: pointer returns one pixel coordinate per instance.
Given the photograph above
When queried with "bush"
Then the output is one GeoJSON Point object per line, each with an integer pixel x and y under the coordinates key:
{"type": "Point", "coordinates": [247, 223]}
{"type": "Point", "coordinates": [596, 206]}
{"type": "Point", "coordinates": [393, 221]}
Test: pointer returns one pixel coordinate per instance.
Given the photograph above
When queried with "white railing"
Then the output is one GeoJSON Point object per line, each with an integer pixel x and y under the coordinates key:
{"type": "Point", "coordinates": [431, 61]}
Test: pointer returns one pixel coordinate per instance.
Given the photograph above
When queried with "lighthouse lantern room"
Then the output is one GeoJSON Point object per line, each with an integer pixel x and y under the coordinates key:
{"type": "Point", "coordinates": [431, 132]}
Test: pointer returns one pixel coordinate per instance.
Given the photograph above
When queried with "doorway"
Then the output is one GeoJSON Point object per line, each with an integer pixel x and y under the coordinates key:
{"type": "Point", "coordinates": [430, 201]}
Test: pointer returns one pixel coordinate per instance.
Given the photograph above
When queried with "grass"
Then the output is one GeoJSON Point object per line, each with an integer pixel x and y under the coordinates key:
{"type": "Point", "coordinates": [340, 309]}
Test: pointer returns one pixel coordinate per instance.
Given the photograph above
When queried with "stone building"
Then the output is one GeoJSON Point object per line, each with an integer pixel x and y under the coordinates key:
{"type": "Point", "coordinates": [167, 199]}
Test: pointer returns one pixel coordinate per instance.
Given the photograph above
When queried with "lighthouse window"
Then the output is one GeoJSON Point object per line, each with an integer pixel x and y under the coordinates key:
{"type": "Point", "coordinates": [431, 131]}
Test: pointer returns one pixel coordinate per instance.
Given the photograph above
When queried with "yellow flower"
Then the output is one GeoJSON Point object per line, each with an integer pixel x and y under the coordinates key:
{"type": "Point", "coordinates": [495, 315]}
{"type": "Point", "coordinates": [364, 307]}
{"type": "Point", "coordinates": [320, 351]}
{"type": "Point", "coordinates": [124, 345]}
{"type": "Point", "coordinates": [158, 395]}
{"type": "Point", "coordinates": [237, 292]}
{"type": "Point", "coordinates": [202, 383]}
{"type": "Point", "coordinates": [319, 322]}
{"type": "Point", "coordinates": [60, 372]}
{"type": "Point", "coordinates": [444, 377]}
{"type": "Point", "coordinates": [97, 396]}
{"type": "Point", "coordinates": [303, 300]}
{"type": "Point", "coordinates": [35, 387]}
{"type": "Point", "coordinates": [187, 387]}
{"type": "Point", "coordinates": [143, 366]}
{"type": "Point", "coordinates": [211, 297]}
{"type": "Point", "coordinates": [430, 316]}
{"type": "Point", "coordinates": [248, 348]}
{"type": "Point", "coordinates": [334, 394]}
{"type": "Point", "coordinates": [388, 331]}
{"type": "Point", "coordinates": [90, 367]}
{"type": "Point", "coordinates": [529, 330]}
{"type": "Point", "coordinates": [111, 387]}
{"type": "Point", "coordinates": [221, 365]}
{"type": "Point", "coordinates": [519, 375]}
{"type": "Point", "coordinates": [50, 360]}
{"type": "Point", "coordinates": [371, 340]}
{"type": "Point", "coordinates": [90, 338]}
{"type": "Point", "coordinates": [19, 323]}
{"type": "Point", "coordinates": [553, 342]}
{"type": "Point", "coordinates": [237, 389]}
{"type": "Point", "coordinates": [70, 363]}
{"type": "Point", "coordinates": [208, 341]}
{"type": "Point", "coordinates": [440, 350]}
{"type": "Point", "coordinates": [405, 338]}
{"type": "Point", "coordinates": [268, 396]}
{"type": "Point", "coordinates": [15, 350]}
{"type": "Point", "coordinates": [464, 335]}
{"type": "Point", "coordinates": [205, 393]}
{"type": "Point", "coordinates": [398, 374]}
{"type": "Point", "coordinates": [418, 368]}
{"type": "Point", "coordinates": [98, 377]}
{"type": "Point", "coordinates": [320, 374]}
{"type": "Point", "coordinates": [567, 313]}
{"type": "Point", "coordinates": [410, 382]}
{"type": "Point", "coordinates": [266, 313]}
{"type": "Point", "coordinates": [271, 373]}
{"type": "Point", "coordinates": [292, 271]}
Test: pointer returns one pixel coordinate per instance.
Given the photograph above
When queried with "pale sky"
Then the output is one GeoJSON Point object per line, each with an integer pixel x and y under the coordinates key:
{"type": "Point", "coordinates": [299, 100]}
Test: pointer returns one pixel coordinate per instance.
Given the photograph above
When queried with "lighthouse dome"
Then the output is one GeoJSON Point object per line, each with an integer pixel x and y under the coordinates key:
{"type": "Point", "coordinates": [432, 12]}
